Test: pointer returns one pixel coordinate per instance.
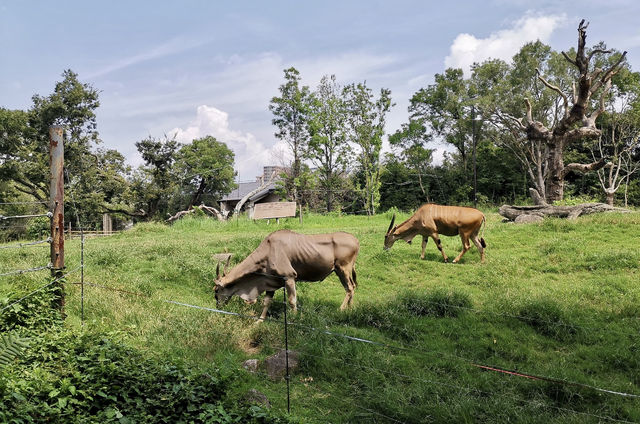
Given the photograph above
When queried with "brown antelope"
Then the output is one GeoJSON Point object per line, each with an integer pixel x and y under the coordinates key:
{"type": "Point", "coordinates": [433, 220]}
{"type": "Point", "coordinates": [285, 257]}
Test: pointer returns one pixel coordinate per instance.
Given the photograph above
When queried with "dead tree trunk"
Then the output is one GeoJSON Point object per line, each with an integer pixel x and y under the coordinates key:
{"type": "Point", "coordinates": [529, 213]}
{"type": "Point", "coordinates": [578, 120]}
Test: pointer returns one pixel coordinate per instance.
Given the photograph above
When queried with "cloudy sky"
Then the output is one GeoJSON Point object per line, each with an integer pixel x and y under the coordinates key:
{"type": "Point", "coordinates": [197, 68]}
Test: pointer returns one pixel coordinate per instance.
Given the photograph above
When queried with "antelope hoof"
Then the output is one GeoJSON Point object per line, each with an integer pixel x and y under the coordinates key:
{"type": "Point", "coordinates": [259, 321]}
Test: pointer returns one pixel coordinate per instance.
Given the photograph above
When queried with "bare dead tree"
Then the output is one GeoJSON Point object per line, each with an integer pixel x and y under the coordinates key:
{"type": "Point", "coordinates": [576, 122]}
{"type": "Point", "coordinates": [619, 140]}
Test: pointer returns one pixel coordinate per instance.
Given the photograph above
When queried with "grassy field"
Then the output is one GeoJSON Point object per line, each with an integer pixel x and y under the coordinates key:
{"type": "Point", "coordinates": [559, 299]}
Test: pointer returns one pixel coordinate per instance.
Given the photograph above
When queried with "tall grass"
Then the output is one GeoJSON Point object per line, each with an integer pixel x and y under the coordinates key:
{"type": "Point", "coordinates": [558, 299]}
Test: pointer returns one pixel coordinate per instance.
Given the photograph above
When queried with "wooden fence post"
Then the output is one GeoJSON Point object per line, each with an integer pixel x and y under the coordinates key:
{"type": "Point", "coordinates": [56, 156]}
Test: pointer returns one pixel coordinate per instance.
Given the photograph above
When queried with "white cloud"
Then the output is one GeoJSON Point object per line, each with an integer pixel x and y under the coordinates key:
{"type": "Point", "coordinates": [467, 49]}
{"type": "Point", "coordinates": [168, 48]}
{"type": "Point", "coordinates": [240, 87]}
{"type": "Point", "coordinates": [215, 122]}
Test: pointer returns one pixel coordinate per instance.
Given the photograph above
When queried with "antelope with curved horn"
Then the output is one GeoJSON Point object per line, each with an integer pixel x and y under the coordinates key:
{"type": "Point", "coordinates": [432, 220]}
{"type": "Point", "coordinates": [285, 257]}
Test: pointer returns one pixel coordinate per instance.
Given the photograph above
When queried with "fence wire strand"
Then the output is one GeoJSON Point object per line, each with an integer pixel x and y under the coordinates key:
{"type": "Point", "coordinates": [454, 386]}
{"type": "Point", "coordinates": [20, 245]}
{"type": "Point", "coordinates": [39, 289]}
{"type": "Point", "coordinates": [3, 218]}
{"type": "Point", "coordinates": [468, 361]}
{"type": "Point", "coordinates": [24, 271]}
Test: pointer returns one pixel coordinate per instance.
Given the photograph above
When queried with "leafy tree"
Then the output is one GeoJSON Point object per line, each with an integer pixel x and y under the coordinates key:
{"type": "Point", "coordinates": [72, 105]}
{"type": "Point", "coordinates": [206, 166]}
{"type": "Point", "coordinates": [153, 184]}
{"type": "Point", "coordinates": [366, 119]}
{"type": "Point", "coordinates": [399, 186]}
{"type": "Point", "coordinates": [291, 115]}
{"type": "Point", "coordinates": [500, 86]}
{"type": "Point", "coordinates": [21, 163]}
{"type": "Point", "coordinates": [445, 107]}
{"type": "Point", "coordinates": [328, 147]}
{"type": "Point", "coordinates": [25, 145]}
{"type": "Point", "coordinates": [410, 142]}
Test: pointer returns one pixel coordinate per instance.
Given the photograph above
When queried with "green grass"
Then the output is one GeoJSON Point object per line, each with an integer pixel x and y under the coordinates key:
{"type": "Point", "coordinates": [558, 299]}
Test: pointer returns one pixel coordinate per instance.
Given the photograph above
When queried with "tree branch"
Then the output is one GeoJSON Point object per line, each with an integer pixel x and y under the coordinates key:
{"type": "Point", "coordinates": [529, 112]}
{"type": "Point", "coordinates": [592, 118]}
{"type": "Point", "coordinates": [572, 61]}
{"type": "Point", "coordinates": [583, 168]}
{"type": "Point", "coordinates": [518, 121]}
{"type": "Point", "coordinates": [139, 212]}
{"type": "Point", "coordinates": [596, 51]}
{"type": "Point", "coordinates": [557, 90]}
{"type": "Point", "coordinates": [609, 73]}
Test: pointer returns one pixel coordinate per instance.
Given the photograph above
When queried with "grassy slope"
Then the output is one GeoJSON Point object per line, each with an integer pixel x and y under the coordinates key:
{"type": "Point", "coordinates": [582, 274]}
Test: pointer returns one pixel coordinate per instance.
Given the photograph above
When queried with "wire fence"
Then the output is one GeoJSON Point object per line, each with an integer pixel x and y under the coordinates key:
{"type": "Point", "coordinates": [17, 227]}
{"type": "Point", "coordinates": [385, 348]}
{"type": "Point", "coordinates": [420, 353]}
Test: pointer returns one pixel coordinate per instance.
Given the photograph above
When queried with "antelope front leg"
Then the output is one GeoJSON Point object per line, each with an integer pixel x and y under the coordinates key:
{"type": "Point", "coordinates": [436, 239]}
{"type": "Point", "coordinates": [424, 245]}
{"type": "Point", "coordinates": [268, 298]}
{"type": "Point", "coordinates": [290, 286]}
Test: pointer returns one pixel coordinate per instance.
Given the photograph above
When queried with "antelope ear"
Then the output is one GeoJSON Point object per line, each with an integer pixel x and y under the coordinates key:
{"type": "Point", "coordinates": [393, 219]}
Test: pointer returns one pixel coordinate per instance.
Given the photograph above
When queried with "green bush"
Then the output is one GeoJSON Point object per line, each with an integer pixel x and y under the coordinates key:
{"type": "Point", "coordinates": [35, 313]}
{"type": "Point", "coordinates": [39, 228]}
{"type": "Point", "coordinates": [52, 374]}
{"type": "Point", "coordinates": [87, 377]}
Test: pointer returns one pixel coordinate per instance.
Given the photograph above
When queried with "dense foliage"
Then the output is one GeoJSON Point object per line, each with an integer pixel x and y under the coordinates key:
{"type": "Point", "coordinates": [61, 375]}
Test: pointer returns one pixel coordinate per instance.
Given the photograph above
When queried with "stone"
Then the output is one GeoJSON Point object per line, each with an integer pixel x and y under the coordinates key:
{"type": "Point", "coordinates": [257, 398]}
{"type": "Point", "coordinates": [276, 364]}
{"type": "Point", "coordinates": [528, 219]}
{"type": "Point", "coordinates": [250, 365]}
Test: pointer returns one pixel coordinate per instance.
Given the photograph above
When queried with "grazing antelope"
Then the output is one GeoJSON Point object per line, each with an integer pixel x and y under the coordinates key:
{"type": "Point", "coordinates": [285, 257]}
{"type": "Point", "coordinates": [433, 220]}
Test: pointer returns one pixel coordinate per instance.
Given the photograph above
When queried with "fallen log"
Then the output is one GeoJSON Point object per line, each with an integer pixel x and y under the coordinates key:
{"type": "Point", "coordinates": [208, 209]}
{"type": "Point", "coordinates": [520, 213]}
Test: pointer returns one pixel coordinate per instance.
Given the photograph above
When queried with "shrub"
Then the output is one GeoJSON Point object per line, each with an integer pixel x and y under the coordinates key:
{"type": "Point", "coordinates": [93, 377]}
{"type": "Point", "coordinates": [35, 313]}
{"type": "Point", "coordinates": [39, 228]}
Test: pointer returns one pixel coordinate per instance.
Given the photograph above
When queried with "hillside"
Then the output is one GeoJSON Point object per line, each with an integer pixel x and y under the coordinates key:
{"type": "Point", "coordinates": [558, 300]}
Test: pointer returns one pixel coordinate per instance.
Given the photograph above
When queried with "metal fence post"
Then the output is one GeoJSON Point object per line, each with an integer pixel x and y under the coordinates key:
{"type": "Point", "coordinates": [56, 156]}
{"type": "Point", "coordinates": [286, 348]}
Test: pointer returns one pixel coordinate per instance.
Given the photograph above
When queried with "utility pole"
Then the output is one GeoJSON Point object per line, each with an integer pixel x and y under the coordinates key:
{"type": "Point", "coordinates": [56, 194]}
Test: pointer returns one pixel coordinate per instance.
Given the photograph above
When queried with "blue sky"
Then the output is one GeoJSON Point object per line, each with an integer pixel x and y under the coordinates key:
{"type": "Point", "coordinates": [210, 67]}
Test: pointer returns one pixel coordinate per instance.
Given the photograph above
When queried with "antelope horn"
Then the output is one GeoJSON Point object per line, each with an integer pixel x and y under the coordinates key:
{"type": "Point", "coordinates": [393, 219]}
{"type": "Point", "coordinates": [224, 270]}
{"type": "Point", "coordinates": [218, 270]}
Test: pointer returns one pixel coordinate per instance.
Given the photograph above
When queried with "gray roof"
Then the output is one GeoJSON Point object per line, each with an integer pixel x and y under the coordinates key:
{"type": "Point", "coordinates": [245, 188]}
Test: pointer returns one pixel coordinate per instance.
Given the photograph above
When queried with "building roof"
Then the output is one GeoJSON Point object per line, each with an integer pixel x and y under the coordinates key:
{"type": "Point", "coordinates": [245, 188]}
